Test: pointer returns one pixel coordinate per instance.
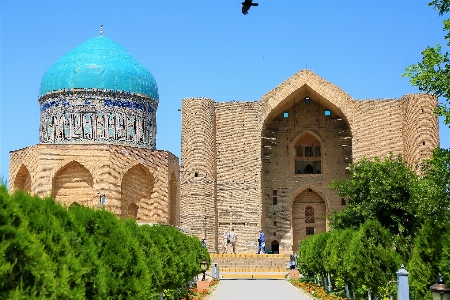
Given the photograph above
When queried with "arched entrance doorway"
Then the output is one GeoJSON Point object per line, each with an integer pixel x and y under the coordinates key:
{"type": "Point", "coordinates": [275, 247]}
{"type": "Point", "coordinates": [308, 216]}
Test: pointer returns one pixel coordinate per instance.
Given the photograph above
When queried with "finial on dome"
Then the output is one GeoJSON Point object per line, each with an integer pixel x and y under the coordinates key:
{"type": "Point", "coordinates": [101, 29]}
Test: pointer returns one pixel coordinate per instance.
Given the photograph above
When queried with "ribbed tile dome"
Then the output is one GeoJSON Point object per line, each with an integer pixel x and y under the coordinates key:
{"type": "Point", "coordinates": [103, 64]}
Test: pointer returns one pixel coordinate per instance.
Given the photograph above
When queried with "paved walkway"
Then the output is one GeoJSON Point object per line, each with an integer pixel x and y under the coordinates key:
{"type": "Point", "coordinates": [257, 289]}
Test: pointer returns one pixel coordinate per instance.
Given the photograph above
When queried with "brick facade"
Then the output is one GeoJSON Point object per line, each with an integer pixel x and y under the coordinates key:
{"type": "Point", "coordinates": [269, 163]}
{"type": "Point", "coordinates": [137, 182]}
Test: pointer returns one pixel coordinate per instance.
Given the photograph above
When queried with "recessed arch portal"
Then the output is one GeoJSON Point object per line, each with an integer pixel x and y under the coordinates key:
{"type": "Point", "coordinates": [23, 180]}
{"type": "Point", "coordinates": [308, 215]}
{"type": "Point", "coordinates": [136, 192]}
{"type": "Point", "coordinates": [73, 183]}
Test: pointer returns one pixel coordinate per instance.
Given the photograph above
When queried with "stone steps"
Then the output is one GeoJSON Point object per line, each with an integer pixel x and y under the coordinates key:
{"type": "Point", "coordinates": [250, 266]}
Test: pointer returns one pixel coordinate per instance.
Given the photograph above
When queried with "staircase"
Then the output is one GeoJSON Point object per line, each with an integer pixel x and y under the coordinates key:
{"type": "Point", "coordinates": [250, 266]}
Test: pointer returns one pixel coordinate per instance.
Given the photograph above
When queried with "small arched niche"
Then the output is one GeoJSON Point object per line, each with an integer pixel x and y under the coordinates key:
{"type": "Point", "coordinates": [136, 195]}
{"type": "Point", "coordinates": [23, 180]}
{"type": "Point", "coordinates": [73, 183]}
{"type": "Point", "coordinates": [308, 154]}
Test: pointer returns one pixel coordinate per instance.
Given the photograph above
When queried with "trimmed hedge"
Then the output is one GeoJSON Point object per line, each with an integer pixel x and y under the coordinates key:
{"type": "Point", "coordinates": [50, 252]}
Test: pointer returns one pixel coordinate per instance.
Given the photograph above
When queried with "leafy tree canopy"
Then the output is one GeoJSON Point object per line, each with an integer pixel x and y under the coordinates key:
{"type": "Point", "coordinates": [378, 190]}
{"type": "Point", "coordinates": [369, 259]}
{"type": "Point", "coordinates": [432, 74]}
{"type": "Point", "coordinates": [432, 192]}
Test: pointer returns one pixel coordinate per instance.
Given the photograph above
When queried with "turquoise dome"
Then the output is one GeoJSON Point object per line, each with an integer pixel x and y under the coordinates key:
{"type": "Point", "coordinates": [103, 64]}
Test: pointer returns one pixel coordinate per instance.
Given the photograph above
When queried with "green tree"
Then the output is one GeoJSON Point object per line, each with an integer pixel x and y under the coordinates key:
{"type": "Point", "coordinates": [431, 252]}
{"type": "Point", "coordinates": [379, 190]}
{"type": "Point", "coordinates": [426, 256]}
{"type": "Point", "coordinates": [432, 74]}
{"type": "Point", "coordinates": [432, 193]}
{"type": "Point", "coordinates": [337, 245]}
{"type": "Point", "coordinates": [371, 259]}
{"type": "Point", "coordinates": [52, 225]}
{"type": "Point", "coordinates": [26, 271]}
{"type": "Point", "coordinates": [121, 272]}
{"type": "Point", "coordinates": [311, 254]}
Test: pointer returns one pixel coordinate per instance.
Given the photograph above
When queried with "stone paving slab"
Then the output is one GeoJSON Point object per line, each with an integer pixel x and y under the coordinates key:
{"type": "Point", "coordinates": [258, 290]}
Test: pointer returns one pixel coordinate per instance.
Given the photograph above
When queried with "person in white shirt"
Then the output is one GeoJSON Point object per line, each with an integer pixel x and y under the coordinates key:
{"type": "Point", "coordinates": [225, 242]}
{"type": "Point", "coordinates": [233, 237]}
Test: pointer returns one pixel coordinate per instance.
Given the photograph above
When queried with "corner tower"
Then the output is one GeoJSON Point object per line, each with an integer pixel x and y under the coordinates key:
{"type": "Point", "coordinates": [198, 178]}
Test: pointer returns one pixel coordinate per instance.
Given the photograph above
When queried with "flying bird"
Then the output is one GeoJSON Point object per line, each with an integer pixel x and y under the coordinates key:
{"type": "Point", "coordinates": [246, 6]}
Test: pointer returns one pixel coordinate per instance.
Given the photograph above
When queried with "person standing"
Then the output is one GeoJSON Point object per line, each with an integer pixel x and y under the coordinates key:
{"type": "Point", "coordinates": [261, 243]}
{"type": "Point", "coordinates": [225, 242]}
{"type": "Point", "coordinates": [233, 237]}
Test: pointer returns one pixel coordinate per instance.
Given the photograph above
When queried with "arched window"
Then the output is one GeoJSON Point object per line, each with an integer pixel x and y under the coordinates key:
{"type": "Point", "coordinates": [309, 214]}
{"type": "Point", "coordinates": [308, 158]}
{"type": "Point", "coordinates": [74, 204]}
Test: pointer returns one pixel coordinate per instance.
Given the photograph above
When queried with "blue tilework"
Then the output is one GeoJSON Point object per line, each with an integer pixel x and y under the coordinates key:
{"type": "Point", "coordinates": [103, 64]}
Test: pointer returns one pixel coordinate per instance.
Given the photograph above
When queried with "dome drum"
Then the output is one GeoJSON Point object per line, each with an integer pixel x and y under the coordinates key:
{"type": "Point", "coordinates": [98, 116]}
{"type": "Point", "coordinates": [98, 93]}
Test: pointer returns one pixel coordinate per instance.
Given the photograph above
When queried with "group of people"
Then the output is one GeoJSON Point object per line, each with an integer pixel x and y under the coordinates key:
{"type": "Point", "coordinates": [229, 239]}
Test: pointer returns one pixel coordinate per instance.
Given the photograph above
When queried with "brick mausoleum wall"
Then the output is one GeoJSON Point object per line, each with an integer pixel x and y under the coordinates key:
{"type": "Point", "coordinates": [198, 152]}
{"type": "Point", "coordinates": [420, 126]}
{"type": "Point", "coordinates": [306, 83]}
{"type": "Point", "coordinates": [238, 147]}
{"type": "Point", "coordinates": [93, 169]}
{"type": "Point", "coordinates": [378, 128]}
{"type": "Point", "coordinates": [404, 126]}
{"type": "Point", "coordinates": [245, 152]}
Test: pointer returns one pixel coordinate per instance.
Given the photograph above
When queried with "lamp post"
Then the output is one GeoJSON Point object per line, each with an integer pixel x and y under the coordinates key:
{"type": "Point", "coordinates": [102, 199]}
{"type": "Point", "coordinates": [204, 267]}
{"type": "Point", "coordinates": [439, 290]}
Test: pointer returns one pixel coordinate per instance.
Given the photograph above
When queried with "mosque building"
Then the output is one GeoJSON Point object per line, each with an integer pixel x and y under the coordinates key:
{"type": "Point", "coordinates": [245, 165]}
{"type": "Point", "coordinates": [97, 137]}
{"type": "Point", "coordinates": [269, 163]}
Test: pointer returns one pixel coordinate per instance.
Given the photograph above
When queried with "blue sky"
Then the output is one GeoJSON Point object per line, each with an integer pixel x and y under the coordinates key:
{"type": "Point", "coordinates": [198, 48]}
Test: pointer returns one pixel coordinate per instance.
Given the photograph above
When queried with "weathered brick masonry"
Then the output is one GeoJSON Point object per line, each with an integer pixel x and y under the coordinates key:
{"type": "Point", "coordinates": [137, 182]}
{"type": "Point", "coordinates": [269, 163]}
